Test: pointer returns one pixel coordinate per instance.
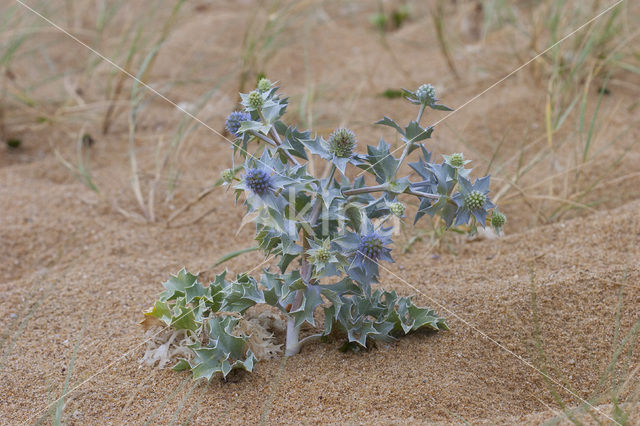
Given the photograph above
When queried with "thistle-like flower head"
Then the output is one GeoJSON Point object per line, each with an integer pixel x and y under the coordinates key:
{"type": "Point", "coordinates": [255, 100]}
{"type": "Point", "coordinates": [455, 160]}
{"type": "Point", "coordinates": [371, 246]}
{"type": "Point", "coordinates": [397, 208]}
{"type": "Point", "coordinates": [498, 220]}
{"type": "Point", "coordinates": [232, 124]}
{"type": "Point", "coordinates": [426, 94]}
{"type": "Point", "coordinates": [264, 85]}
{"type": "Point", "coordinates": [342, 142]}
{"type": "Point", "coordinates": [323, 255]}
{"type": "Point", "coordinates": [474, 200]}
{"type": "Point", "coordinates": [227, 175]}
{"type": "Point", "coordinates": [324, 258]}
{"type": "Point", "coordinates": [258, 181]}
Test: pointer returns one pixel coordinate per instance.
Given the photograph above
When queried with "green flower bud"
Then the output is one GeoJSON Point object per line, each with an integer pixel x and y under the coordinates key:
{"type": "Point", "coordinates": [426, 94]}
{"type": "Point", "coordinates": [474, 200]}
{"type": "Point", "coordinates": [342, 142]}
{"type": "Point", "coordinates": [498, 219]}
{"type": "Point", "coordinates": [397, 208]}
{"type": "Point", "coordinates": [322, 255]}
{"type": "Point", "coordinates": [227, 175]}
{"type": "Point", "coordinates": [456, 160]}
{"type": "Point", "coordinates": [264, 85]}
{"type": "Point", "coordinates": [255, 100]}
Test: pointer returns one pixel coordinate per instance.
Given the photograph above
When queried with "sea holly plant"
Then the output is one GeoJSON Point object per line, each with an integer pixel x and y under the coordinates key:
{"type": "Point", "coordinates": [329, 234]}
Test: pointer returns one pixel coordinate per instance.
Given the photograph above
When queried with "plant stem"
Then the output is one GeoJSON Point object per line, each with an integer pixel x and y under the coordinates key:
{"type": "Point", "coordinates": [276, 135]}
{"type": "Point", "coordinates": [422, 194]}
{"type": "Point", "coordinates": [364, 190]}
{"type": "Point", "coordinates": [420, 112]}
{"type": "Point", "coordinates": [293, 332]}
{"type": "Point", "coordinates": [293, 344]}
{"type": "Point", "coordinates": [263, 138]}
{"type": "Point", "coordinates": [409, 143]}
{"type": "Point", "coordinates": [379, 188]}
{"type": "Point", "coordinates": [270, 141]}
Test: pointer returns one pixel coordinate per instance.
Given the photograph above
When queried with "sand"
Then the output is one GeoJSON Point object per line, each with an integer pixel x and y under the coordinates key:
{"type": "Point", "coordinates": [535, 316]}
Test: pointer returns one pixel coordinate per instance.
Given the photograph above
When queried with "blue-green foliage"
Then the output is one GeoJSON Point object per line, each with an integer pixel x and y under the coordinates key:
{"type": "Point", "coordinates": [329, 233]}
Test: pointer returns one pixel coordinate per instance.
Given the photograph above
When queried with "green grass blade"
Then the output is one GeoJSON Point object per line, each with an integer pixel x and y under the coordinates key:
{"type": "Point", "coordinates": [57, 417]}
{"type": "Point", "coordinates": [236, 253]}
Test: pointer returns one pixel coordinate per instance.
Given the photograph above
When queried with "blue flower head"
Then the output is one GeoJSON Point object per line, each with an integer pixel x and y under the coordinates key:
{"type": "Point", "coordinates": [372, 246]}
{"type": "Point", "coordinates": [258, 181]}
{"type": "Point", "coordinates": [232, 124]}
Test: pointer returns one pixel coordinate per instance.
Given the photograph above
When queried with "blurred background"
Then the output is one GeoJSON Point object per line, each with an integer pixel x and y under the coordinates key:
{"type": "Point", "coordinates": [558, 136]}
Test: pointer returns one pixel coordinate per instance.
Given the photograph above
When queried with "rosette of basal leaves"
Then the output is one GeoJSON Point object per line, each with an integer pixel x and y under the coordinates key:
{"type": "Point", "coordinates": [381, 315]}
{"type": "Point", "coordinates": [186, 302]}
{"type": "Point", "coordinates": [281, 291]}
{"type": "Point", "coordinates": [473, 200]}
{"type": "Point", "coordinates": [222, 352]}
{"type": "Point", "coordinates": [210, 313]}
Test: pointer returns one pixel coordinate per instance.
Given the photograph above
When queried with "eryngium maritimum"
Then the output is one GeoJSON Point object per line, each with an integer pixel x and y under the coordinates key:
{"type": "Point", "coordinates": [255, 100]}
{"type": "Point", "coordinates": [456, 160]}
{"type": "Point", "coordinates": [426, 94]}
{"type": "Point", "coordinates": [342, 142]}
{"type": "Point", "coordinates": [258, 181]}
{"type": "Point", "coordinates": [323, 255]}
{"type": "Point", "coordinates": [371, 246]}
{"type": "Point", "coordinates": [397, 208]}
{"type": "Point", "coordinates": [498, 219]}
{"type": "Point", "coordinates": [264, 85]}
{"type": "Point", "coordinates": [474, 200]}
{"type": "Point", "coordinates": [232, 124]}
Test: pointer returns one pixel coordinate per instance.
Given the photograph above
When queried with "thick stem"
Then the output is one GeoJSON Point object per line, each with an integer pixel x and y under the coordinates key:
{"type": "Point", "coordinates": [364, 190]}
{"type": "Point", "coordinates": [263, 138]}
{"type": "Point", "coordinates": [276, 135]}
{"type": "Point", "coordinates": [379, 188]}
{"type": "Point", "coordinates": [422, 194]}
{"type": "Point", "coordinates": [293, 343]}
